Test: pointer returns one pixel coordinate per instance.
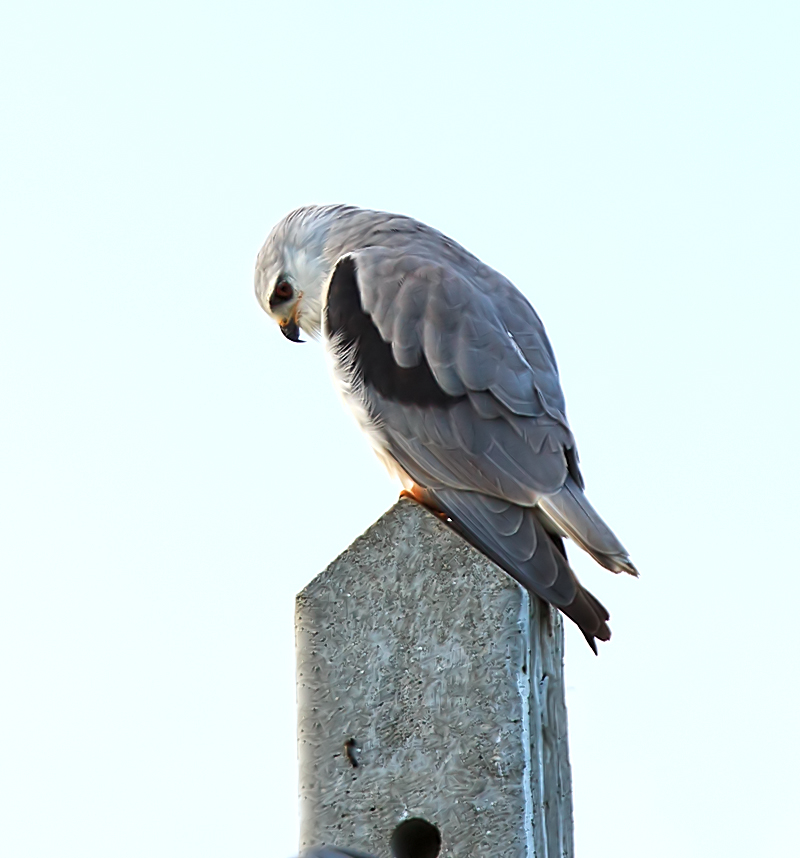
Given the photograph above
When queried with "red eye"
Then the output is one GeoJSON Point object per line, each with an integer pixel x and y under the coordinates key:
{"type": "Point", "coordinates": [283, 291]}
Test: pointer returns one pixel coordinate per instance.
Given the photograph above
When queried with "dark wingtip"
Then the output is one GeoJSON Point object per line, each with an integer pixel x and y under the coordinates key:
{"type": "Point", "coordinates": [590, 618]}
{"type": "Point", "coordinates": [590, 640]}
{"type": "Point", "coordinates": [600, 634]}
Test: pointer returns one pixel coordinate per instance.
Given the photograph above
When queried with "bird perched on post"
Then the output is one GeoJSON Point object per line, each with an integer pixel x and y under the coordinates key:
{"type": "Point", "coordinates": [450, 374]}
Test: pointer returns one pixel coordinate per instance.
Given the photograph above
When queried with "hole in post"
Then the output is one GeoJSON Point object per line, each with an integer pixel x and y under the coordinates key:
{"type": "Point", "coordinates": [415, 838]}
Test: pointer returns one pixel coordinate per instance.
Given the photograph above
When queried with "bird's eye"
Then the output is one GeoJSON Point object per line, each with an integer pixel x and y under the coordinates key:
{"type": "Point", "coordinates": [283, 291]}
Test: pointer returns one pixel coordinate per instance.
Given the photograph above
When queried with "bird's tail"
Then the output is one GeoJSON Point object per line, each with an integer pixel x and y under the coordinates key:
{"type": "Point", "coordinates": [572, 515]}
{"type": "Point", "coordinates": [514, 538]}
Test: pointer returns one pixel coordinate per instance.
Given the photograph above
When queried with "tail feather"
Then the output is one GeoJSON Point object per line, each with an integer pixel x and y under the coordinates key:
{"type": "Point", "coordinates": [572, 514]}
{"type": "Point", "coordinates": [515, 539]}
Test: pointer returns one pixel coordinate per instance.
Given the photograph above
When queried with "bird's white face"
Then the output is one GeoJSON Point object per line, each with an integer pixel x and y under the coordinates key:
{"type": "Point", "coordinates": [291, 273]}
{"type": "Point", "coordinates": [282, 298]}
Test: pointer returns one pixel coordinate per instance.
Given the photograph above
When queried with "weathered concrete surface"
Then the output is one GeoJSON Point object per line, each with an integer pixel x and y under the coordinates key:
{"type": "Point", "coordinates": [447, 677]}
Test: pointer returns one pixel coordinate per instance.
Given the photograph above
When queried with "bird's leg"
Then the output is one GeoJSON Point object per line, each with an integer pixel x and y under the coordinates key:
{"type": "Point", "coordinates": [421, 496]}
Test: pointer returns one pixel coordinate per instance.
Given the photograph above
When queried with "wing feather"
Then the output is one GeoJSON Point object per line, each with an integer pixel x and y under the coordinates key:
{"type": "Point", "coordinates": [515, 539]}
{"type": "Point", "coordinates": [494, 432]}
{"type": "Point", "coordinates": [456, 374]}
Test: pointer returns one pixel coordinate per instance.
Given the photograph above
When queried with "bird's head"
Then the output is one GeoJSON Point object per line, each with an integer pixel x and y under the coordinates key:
{"type": "Point", "coordinates": [292, 270]}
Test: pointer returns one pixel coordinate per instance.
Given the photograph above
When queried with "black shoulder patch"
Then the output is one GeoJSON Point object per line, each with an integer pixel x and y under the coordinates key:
{"type": "Point", "coordinates": [374, 360]}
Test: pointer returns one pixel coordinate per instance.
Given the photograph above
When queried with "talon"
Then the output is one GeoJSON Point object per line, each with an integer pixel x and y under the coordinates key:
{"type": "Point", "coordinates": [422, 497]}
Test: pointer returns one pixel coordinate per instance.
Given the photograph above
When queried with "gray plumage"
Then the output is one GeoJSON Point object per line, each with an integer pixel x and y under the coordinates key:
{"type": "Point", "coordinates": [449, 371]}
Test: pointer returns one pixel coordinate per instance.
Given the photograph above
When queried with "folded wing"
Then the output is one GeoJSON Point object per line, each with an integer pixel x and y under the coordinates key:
{"type": "Point", "coordinates": [453, 369]}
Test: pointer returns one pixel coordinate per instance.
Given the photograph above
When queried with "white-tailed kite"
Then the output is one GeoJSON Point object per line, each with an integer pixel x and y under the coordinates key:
{"type": "Point", "coordinates": [450, 374]}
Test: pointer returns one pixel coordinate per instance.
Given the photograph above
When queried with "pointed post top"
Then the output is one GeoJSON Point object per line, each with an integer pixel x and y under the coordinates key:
{"type": "Point", "coordinates": [430, 688]}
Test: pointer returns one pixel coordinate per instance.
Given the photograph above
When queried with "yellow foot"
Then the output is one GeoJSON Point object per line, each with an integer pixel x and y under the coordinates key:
{"type": "Point", "coordinates": [421, 496]}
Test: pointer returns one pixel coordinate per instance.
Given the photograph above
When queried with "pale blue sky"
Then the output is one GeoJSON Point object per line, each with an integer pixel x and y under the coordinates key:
{"type": "Point", "coordinates": [173, 471]}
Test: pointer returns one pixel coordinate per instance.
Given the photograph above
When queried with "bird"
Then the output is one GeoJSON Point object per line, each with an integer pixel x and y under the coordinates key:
{"type": "Point", "coordinates": [449, 372]}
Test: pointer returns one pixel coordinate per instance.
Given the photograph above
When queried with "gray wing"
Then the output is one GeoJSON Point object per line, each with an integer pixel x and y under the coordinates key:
{"type": "Point", "coordinates": [471, 404]}
{"type": "Point", "coordinates": [455, 369]}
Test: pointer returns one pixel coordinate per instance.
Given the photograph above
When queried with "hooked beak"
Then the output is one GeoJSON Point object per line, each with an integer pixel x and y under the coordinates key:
{"type": "Point", "coordinates": [291, 330]}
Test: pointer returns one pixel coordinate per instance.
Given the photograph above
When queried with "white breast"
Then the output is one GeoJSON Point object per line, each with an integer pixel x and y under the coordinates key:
{"type": "Point", "coordinates": [341, 363]}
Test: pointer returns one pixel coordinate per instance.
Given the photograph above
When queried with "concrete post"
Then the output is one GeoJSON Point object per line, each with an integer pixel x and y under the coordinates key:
{"type": "Point", "coordinates": [431, 702]}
